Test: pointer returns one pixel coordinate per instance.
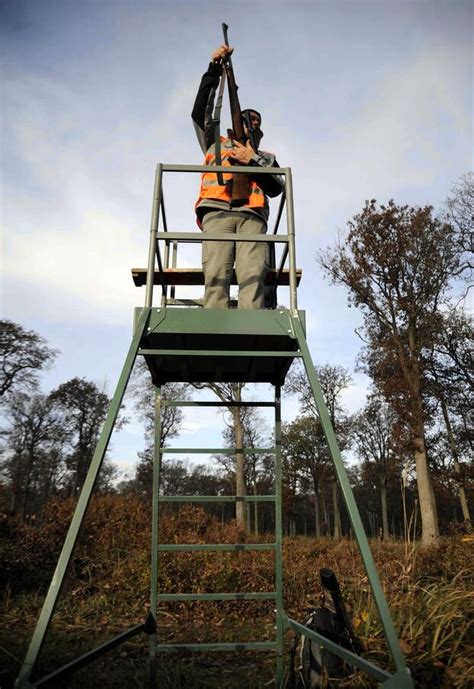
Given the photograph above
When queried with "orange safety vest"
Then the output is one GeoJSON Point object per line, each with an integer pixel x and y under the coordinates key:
{"type": "Point", "coordinates": [211, 189]}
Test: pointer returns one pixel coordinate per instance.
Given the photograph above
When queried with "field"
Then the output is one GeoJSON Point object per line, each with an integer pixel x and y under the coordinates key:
{"type": "Point", "coordinates": [429, 592]}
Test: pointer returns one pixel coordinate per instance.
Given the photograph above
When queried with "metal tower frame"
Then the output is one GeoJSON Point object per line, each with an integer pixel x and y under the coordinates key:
{"type": "Point", "coordinates": [205, 345]}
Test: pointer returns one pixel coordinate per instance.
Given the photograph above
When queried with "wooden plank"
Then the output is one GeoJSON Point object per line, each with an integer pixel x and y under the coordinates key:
{"type": "Point", "coordinates": [195, 276]}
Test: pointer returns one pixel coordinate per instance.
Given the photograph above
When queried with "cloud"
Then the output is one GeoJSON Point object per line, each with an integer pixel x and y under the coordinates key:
{"type": "Point", "coordinates": [412, 124]}
{"type": "Point", "coordinates": [355, 396]}
{"type": "Point", "coordinates": [75, 203]}
{"type": "Point", "coordinates": [89, 267]}
{"type": "Point", "coordinates": [190, 427]}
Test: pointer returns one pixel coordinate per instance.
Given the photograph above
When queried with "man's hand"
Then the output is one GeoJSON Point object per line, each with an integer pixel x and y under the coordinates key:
{"type": "Point", "coordinates": [222, 53]}
{"type": "Point", "coordinates": [242, 154]}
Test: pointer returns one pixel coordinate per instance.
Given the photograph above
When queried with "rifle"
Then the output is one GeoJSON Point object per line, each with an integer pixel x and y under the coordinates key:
{"type": "Point", "coordinates": [318, 665]}
{"type": "Point", "coordinates": [240, 182]}
{"type": "Point", "coordinates": [331, 584]}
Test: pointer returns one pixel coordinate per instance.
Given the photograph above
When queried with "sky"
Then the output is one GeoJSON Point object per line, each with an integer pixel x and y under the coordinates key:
{"type": "Point", "coordinates": [361, 98]}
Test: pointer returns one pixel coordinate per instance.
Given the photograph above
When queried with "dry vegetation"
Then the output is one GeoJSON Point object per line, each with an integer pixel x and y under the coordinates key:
{"type": "Point", "coordinates": [429, 592]}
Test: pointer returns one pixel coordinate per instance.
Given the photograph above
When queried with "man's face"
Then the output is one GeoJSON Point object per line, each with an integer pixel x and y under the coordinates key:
{"type": "Point", "coordinates": [255, 123]}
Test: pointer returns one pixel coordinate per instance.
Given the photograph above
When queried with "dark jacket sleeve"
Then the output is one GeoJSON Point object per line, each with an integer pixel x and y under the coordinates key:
{"type": "Point", "coordinates": [271, 185]}
{"type": "Point", "coordinates": [203, 106]}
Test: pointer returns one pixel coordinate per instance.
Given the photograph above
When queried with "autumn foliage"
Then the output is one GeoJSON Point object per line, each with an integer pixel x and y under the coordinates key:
{"type": "Point", "coordinates": [107, 589]}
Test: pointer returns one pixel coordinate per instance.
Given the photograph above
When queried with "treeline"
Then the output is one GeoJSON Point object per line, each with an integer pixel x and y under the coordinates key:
{"type": "Point", "coordinates": [408, 451]}
{"type": "Point", "coordinates": [47, 440]}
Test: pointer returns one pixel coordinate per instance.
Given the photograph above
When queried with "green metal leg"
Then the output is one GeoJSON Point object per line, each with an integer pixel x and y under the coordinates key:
{"type": "Point", "coordinates": [354, 515]}
{"type": "Point", "coordinates": [402, 680]}
{"type": "Point", "coordinates": [58, 577]}
{"type": "Point", "coordinates": [154, 538]}
{"type": "Point", "coordinates": [280, 621]}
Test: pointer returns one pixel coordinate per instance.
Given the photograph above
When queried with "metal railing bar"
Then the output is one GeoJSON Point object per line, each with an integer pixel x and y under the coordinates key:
{"type": "Point", "coordinates": [196, 403]}
{"type": "Point", "coordinates": [183, 597]}
{"type": "Point", "coordinates": [174, 263]}
{"type": "Point", "coordinates": [160, 270]}
{"type": "Point", "coordinates": [163, 213]}
{"type": "Point", "coordinates": [216, 450]}
{"type": "Point", "coordinates": [166, 256]}
{"type": "Point", "coordinates": [217, 498]}
{"type": "Point", "coordinates": [197, 237]}
{"type": "Point", "coordinates": [280, 212]}
{"type": "Point", "coordinates": [218, 353]}
{"type": "Point", "coordinates": [290, 219]}
{"type": "Point", "coordinates": [153, 232]}
{"type": "Point", "coordinates": [282, 264]}
{"type": "Point", "coordinates": [225, 168]}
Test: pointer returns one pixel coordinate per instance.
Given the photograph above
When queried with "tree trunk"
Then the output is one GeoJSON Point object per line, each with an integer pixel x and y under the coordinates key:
{"type": "Point", "coordinates": [317, 522]}
{"type": "Point", "coordinates": [327, 519]}
{"type": "Point", "coordinates": [429, 517]}
{"type": "Point", "coordinates": [239, 467]}
{"type": "Point", "coordinates": [337, 515]}
{"type": "Point", "coordinates": [255, 505]}
{"type": "Point", "coordinates": [16, 494]}
{"type": "Point", "coordinates": [26, 494]}
{"type": "Point", "coordinates": [457, 468]}
{"type": "Point", "coordinates": [383, 499]}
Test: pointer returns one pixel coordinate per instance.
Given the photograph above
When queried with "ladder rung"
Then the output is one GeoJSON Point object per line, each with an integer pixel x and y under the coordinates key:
{"type": "Point", "coordinates": [248, 646]}
{"type": "Point", "coordinates": [198, 237]}
{"type": "Point", "coordinates": [217, 498]}
{"type": "Point", "coordinates": [194, 276]}
{"type": "Point", "coordinates": [270, 595]}
{"type": "Point", "coordinates": [214, 547]}
{"type": "Point", "coordinates": [218, 353]}
{"type": "Point", "coordinates": [216, 450]}
{"type": "Point", "coordinates": [186, 403]}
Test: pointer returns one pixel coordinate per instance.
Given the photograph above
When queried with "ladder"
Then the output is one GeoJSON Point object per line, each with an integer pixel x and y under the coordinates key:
{"type": "Point", "coordinates": [276, 596]}
{"type": "Point", "coordinates": [205, 345]}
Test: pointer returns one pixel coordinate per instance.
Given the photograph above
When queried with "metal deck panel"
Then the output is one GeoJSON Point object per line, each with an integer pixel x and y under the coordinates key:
{"type": "Point", "coordinates": [219, 331]}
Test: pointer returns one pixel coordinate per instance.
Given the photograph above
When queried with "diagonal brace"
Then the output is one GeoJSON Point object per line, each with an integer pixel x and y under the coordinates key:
{"type": "Point", "coordinates": [81, 508]}
{"type": "Point", "coordinates": [384, 612]}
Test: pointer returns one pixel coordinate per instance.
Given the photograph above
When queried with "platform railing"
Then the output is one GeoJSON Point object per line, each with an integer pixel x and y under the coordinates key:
{"type": "Point", "coordinates": [174, 238]}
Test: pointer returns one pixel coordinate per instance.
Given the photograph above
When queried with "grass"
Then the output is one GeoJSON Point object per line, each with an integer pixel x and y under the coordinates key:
{"type": "Point", "coordinates": [429, 592]}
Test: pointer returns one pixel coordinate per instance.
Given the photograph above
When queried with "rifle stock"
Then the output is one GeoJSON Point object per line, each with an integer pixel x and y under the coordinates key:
{"type": "Point", "coordinates": [240, 182]}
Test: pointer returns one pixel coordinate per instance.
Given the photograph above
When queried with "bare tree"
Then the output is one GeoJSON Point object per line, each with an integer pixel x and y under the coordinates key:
{"type": "Point", "coordinates": [231, 393]}
{"type": "Point", "coordinates": [397, 263]}
{"type": "Point", "coordinates": [23, 354]}
{"type": "Point", "coordinates": [306, 452]}
{"type": "Point", "coordinates": [451, 382]}
{"type": "Point", "coordinates": [143, 392]}
{"type": "Point", "coordinates": [377, 435]}
{"type": "Point", "coordinates": [32, 463]}
{"type": "Point", "coordinates": [459, 213]}
{"type": "Point", "coordinates": [258, 468]}
{"type": "Point", "coordinates": [83, 408]}
{"type": "Point", "coordinates": [333, 380]}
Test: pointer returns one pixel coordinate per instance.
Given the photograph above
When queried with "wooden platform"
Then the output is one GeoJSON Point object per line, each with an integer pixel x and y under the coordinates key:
{"type": "Point", "coordinates": [219, 345]}
{"type": "Point", "coordinates": [195, 276]}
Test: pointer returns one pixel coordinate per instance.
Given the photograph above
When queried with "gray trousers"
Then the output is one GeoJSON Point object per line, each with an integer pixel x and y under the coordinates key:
{"type": "Point", "coordinates": [251, 260]}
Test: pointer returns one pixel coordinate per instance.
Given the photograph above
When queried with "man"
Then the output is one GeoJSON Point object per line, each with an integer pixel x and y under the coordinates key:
{"type": "Point", "coordinates": [214, 211]}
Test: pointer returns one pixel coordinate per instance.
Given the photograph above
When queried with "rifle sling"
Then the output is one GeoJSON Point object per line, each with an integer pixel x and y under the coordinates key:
{"type": "Point", "coordinates": [216, 124]}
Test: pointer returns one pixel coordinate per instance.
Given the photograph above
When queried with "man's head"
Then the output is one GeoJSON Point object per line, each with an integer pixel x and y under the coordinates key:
{"type": "Point", "coordinates": [252, 125]}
